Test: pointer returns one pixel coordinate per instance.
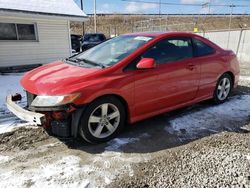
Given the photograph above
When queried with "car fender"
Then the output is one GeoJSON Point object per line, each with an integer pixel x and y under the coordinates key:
{"type": "Point", "coordinates": [76, 116]}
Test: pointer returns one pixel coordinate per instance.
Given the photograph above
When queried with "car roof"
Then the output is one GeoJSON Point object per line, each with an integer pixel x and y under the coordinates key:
{"type": "Point", "coordinates": [75, 35]}
{"type": "Point", "coordinates": [93, 34]}
{"type": "Point", "coordinates": [175, 34]}
{"type": "Point", "coordinates": [160, 34]}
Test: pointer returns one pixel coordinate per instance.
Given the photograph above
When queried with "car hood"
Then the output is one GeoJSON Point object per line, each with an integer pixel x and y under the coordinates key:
{"type": "Point", "coordinates": [56, 78]}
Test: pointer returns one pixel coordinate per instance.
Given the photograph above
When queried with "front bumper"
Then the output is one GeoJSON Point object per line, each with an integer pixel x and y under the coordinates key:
{"type": "Point", "coordinates": [23, 114]}
{"type": "Point", "coordinates": [64, 125]}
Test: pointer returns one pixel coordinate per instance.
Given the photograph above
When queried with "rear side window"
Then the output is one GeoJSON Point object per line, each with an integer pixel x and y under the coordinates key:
{"type": "Point", "coordinates": [169, 50]}
{"type": "Point", "coordinates": [202, 49]}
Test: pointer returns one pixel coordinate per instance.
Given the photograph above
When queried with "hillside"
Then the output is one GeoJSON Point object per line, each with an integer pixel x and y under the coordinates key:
{"type": "Point", "coordinates": [119, 24]}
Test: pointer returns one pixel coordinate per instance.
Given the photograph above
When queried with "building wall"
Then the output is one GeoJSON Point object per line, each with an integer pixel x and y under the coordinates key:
{"type": "Point", "coordinates": [53, 43]}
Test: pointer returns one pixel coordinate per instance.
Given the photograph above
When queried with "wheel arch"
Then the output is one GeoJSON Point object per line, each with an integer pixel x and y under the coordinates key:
{"type": "Point", "coordinates": [231, 75]}
{"type": "Point", "coordinates": [76, 116]}
{"type": "Point", "coordinates": [121, 99]}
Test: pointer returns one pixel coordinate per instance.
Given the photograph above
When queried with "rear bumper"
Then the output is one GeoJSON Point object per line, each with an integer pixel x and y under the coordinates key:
{"type": "Point", "coordinates": [23, 114]}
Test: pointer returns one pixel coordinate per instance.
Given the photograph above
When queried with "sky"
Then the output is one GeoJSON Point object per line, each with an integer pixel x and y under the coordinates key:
{"type": "Point", "coordinates": [119, 6]}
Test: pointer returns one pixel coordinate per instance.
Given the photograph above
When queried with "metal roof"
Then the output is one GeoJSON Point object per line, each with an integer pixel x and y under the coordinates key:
{"type": "Point", "coordinates": [67, 8]}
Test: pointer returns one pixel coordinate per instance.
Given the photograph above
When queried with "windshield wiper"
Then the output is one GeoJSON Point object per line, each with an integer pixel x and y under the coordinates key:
{"type": "Point", "coordinates": [71, 59]}
{"type": "Point", "coordinates": [91, 62]}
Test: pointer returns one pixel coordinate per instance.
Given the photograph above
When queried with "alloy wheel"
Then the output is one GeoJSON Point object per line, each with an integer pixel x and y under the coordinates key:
{"type": "Point", "coordinates": [223, 88]}
{"type": "Point", "coordinates": [104, 120]}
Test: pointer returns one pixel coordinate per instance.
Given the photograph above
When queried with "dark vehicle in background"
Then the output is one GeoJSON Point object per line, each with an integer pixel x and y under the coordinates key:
{"type": "Point", "coordinates": [76, 42]}
{"type": "Point", "coordinates": [90, 40]}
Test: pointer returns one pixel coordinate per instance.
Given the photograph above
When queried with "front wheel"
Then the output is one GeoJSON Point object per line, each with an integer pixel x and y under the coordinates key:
{"type": "Point", "coordinates": [223, 88]}
{"type": "Point", "coordinates": [102, 120]}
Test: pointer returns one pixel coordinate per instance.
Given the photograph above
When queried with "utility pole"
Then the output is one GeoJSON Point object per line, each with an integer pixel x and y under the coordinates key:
{"type": "Point", "coordinates": [209, 7]}
{"type": "Point", "coordinates": [206, 5]}
{"type": "Point", "coordinates": [159, 8]}
{"type": "Point", "coordinates": [95, 16]}
{"type": "Point", "coordinates": [230, 23]}
{"type": "Point", "coordinates": [83, 28]}
{"type": "Point", "coordinates": [82, 4]}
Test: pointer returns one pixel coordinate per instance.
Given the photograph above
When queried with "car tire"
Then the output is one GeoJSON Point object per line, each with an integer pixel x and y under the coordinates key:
{"type": "Point", "coordinates": [223, 89]}
{"type": "Point", "coordinates": [102, 120]}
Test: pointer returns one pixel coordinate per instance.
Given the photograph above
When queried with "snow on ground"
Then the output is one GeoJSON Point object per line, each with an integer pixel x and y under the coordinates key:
{"type": "Point", "coordinates": [10, 84]}
{"type": "Point", "coordinates": [62, 173]}
{"type": "Point", "coordinates": [245, 78]}
{"type": "Point", "coordinates": [248, 157]}
{"type": "Point", "coordinates": [73, 171]}
{"type": "Point", "coordinates": [4, 159]}
{"type": "Point", "coordinates": [214, 118]}
{"type": "Point", "coordinates": [10, 126]}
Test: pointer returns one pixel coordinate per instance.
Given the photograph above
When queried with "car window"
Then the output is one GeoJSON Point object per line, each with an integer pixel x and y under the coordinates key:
{"type": "Point", "coordinates": [169, 50]}
{"type": "Point", "coordinates": [102, 37]}
{"type": "Point", "coordinates": [202, 49]}
{"type": "Point", "coordinates": [94, 38]}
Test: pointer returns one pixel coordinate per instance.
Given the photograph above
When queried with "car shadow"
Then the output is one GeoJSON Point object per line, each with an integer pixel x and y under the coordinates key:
{"type": "Point", "coordinates": [177, 128]}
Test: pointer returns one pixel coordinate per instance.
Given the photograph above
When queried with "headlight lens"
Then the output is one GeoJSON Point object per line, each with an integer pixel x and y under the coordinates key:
{"type": "Point", "coordinates": [51, 101]}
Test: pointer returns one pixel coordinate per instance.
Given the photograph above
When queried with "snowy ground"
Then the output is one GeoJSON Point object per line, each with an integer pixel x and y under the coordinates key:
{"type": "Point", "coordinates": [50, 162]}
{"type": "Point", "coordinates": [194, 123]}
{"type": "Point", "coordinates": [10, 84]}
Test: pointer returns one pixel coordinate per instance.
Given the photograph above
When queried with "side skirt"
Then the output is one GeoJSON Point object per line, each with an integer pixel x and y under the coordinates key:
{"type": "Point", "coordinates": [168, 109]}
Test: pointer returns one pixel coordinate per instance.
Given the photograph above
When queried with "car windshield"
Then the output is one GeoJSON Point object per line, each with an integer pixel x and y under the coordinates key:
{"type": "Point", "coordinates": [113, 50]}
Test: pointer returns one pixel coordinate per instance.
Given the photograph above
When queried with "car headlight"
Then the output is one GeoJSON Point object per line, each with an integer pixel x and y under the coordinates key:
{"type": "Point", "coordinates": [51, 101]}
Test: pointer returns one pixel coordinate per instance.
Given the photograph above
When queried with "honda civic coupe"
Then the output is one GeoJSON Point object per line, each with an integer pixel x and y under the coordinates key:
{"type": "Point", "coordinates": [124, 80]}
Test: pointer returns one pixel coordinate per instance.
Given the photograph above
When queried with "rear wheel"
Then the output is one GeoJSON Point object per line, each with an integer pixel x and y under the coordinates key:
{"type": "Point", "coordinates": [103, 120]}
{"type": "Point", "coordinates": [223, 88]}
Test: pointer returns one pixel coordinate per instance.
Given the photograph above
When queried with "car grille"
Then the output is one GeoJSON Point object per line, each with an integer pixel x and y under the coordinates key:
{"type": "Point", "coordinates": [30, 98]}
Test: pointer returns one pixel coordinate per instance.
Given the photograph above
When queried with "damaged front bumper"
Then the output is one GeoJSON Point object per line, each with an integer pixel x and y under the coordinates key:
{"type": "Point", "coordinates": [23, 114]}
{"type": "Point", "coordinates": [61, 121]}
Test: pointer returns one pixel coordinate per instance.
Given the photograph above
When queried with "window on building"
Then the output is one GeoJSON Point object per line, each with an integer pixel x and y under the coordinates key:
{"type": "Point", "coordinates": [14, 31]}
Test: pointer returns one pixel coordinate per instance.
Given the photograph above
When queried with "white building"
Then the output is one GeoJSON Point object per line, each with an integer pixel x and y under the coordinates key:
{"type": "Point", "coordinates": [36, 31]}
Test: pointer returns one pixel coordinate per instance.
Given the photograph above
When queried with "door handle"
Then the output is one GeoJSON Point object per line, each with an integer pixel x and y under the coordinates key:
{"type": "Point", "coordinates": [190, 66]}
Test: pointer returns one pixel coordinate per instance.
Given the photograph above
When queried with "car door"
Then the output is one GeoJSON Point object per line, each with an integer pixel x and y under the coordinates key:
{"type": "Point", "coordinates": [145, 88]}
{"type": "Point", "coordinates": [177, 74]}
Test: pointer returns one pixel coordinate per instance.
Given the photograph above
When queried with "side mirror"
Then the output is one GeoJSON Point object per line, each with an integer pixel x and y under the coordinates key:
{"type": "Point", "coordinates": [146, 63]}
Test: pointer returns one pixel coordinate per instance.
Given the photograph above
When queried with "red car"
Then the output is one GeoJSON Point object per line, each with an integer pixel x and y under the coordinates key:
{"type": "Point", "coordinates": [124, 80]}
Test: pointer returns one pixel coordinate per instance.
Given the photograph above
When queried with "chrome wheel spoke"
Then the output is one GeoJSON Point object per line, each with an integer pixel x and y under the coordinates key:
{"type": "Point", "coordinates": [224, 81]}
{"type": "Point", "coordinates": [225, 93]}
{"type": "Point", "coordinates": [227, 86]}
{"type": "Point", "coordinates": [98, 130]}
{"type": "Point", "coordinates": [104, 110]}
{"type": "Point", "coordinates": [113, 115]}
{"type": "Point", "coordinates": [220, 94]}
{"type": "Point", "coordinates": [219, 87]}
{"type": "Point", "coordinates": [110, 127]}
{"type": "Point", "coordinates": [94, 119]}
